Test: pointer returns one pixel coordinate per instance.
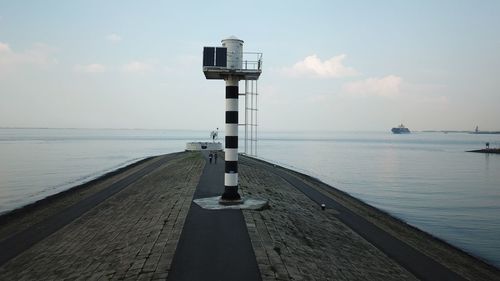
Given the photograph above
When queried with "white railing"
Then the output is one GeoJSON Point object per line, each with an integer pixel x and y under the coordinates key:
{"type": "Point", "coordinates": [252, 61]}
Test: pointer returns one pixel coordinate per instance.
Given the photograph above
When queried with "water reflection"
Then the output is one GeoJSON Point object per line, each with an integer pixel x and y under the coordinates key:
{"type": "Point", "coordinates": [427, 180]}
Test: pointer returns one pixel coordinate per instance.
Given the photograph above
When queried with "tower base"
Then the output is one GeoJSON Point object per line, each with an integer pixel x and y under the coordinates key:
{"type": "Point", "coordinates": [214, 203]}
{"type": "Point", "coordinates": [230, 202]}
{"type": "Point", "coordinates": [230, 196]}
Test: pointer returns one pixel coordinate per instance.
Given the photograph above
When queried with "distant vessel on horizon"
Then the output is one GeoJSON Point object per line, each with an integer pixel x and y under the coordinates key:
{"type": "Point", "coordinates": [401, 129]}
{"type": "Point", "coordinates": [477, 131]}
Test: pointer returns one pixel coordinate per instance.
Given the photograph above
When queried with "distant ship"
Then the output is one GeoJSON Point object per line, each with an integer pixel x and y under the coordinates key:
{"type": "Point", "coordinates": [477, 131]}
{"type": "Point", "coordinates": [401, 129]}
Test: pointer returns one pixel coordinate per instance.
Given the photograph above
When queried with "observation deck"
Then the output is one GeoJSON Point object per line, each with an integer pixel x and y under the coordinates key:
{"type": "Point", "coordinates": [216, 68]}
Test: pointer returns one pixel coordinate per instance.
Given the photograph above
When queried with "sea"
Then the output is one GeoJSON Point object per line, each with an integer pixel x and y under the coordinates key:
{"type": "Point", "coordinates": [426, 179]}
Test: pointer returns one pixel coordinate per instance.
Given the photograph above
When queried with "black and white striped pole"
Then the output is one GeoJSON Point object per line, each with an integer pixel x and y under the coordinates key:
{"type": "Point", "coordinates": [226, 63]}
{"type": "Point", "coordinates": [231, 142]}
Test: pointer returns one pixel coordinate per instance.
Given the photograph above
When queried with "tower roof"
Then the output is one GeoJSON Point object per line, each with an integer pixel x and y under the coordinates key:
{"type": "Point", "coordinates": [232, 37]}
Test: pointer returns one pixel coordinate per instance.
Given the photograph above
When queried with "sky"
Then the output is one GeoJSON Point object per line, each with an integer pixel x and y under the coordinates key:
{"type": "Point", "coordinates": [327, 65]}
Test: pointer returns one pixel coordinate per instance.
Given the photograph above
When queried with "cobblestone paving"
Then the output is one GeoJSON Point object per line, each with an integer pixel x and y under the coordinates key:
{"type": "Point", "coordinates": [296, 240]}
{"type": "Point", "coordinates": [130, 236]}
{"type": "Point", "coordinates": [50, 206]}
{"type": "Point", "coordinates": [467, 266]}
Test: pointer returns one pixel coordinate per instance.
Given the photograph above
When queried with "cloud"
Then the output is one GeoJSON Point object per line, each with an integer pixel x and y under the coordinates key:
{"type": "Point", "coordinates": [90, 68]}
{"type": "Point", "coordinates": [115, 38]}
{"type": "Point", "coordinates": [39, 54]}
{"type": "Point", "coordinates": [388, 86]}
{"type": "Point", "coordinates": [138, 67]}
{"type": "Point", "coordinates": [313, 66]}
{"type": "Point", "coordinates": [4, 47]}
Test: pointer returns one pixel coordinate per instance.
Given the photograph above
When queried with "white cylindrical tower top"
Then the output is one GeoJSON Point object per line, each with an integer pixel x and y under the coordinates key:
{"type": "Point", "coordinates": [234, 52]}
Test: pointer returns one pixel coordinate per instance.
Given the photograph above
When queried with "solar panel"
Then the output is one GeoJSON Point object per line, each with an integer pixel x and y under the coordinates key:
{"type": "Point", "coordinates": [208, 56]}
{"type": "Point", "coordinates": [221, 57]}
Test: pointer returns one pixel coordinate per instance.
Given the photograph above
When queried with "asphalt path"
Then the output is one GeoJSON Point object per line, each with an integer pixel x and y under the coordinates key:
{"type": "Point", "coordinates": [214, 244]}
{"type": "Point", "coordinates": [19, 242]}
{"type": "Point", "coordinates": [419, 264]}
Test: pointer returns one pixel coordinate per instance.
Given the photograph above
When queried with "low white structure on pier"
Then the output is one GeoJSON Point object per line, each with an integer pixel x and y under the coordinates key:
{"type": "Point", "coordinates": [198, 146]}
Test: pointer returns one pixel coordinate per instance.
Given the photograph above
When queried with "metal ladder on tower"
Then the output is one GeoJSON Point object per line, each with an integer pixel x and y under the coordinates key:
{"type": "Point", "coordinates": [251, 110]}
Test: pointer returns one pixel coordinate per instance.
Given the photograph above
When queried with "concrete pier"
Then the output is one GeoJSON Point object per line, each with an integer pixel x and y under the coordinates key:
{"type": "Point", "coordinates": [134, 225]}
{"type": "Point", "coordinates": [131, 235]}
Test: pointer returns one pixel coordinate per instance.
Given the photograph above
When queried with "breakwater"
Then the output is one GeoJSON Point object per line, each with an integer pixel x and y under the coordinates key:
{"type": "Point", "coordinates": [134, 233]}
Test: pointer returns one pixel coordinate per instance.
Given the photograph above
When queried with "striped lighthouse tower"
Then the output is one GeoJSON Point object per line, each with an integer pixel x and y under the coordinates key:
{"type": "Point", "coordinates": [234, 61]}
{"type": "Point", "coordinates": [226, 63]}
{"type": "Point", "coordinates": [231, 142]}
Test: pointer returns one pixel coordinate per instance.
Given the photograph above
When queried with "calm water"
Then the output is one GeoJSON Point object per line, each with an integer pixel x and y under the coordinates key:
{"type": "Point", "coordinates": [35, 163]}
{"type": "Point", "coordinates": [425, 179]}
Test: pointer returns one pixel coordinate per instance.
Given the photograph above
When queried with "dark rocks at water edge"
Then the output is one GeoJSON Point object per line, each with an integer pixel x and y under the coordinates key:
{"type": "Point", "coordinates": [487, 150]}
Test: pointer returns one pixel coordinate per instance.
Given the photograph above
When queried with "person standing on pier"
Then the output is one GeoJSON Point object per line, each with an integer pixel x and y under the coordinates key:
{"type": "Point", "coordinates": [215, 157]}
{"type": "Point", "coordinates": [210, 158]}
